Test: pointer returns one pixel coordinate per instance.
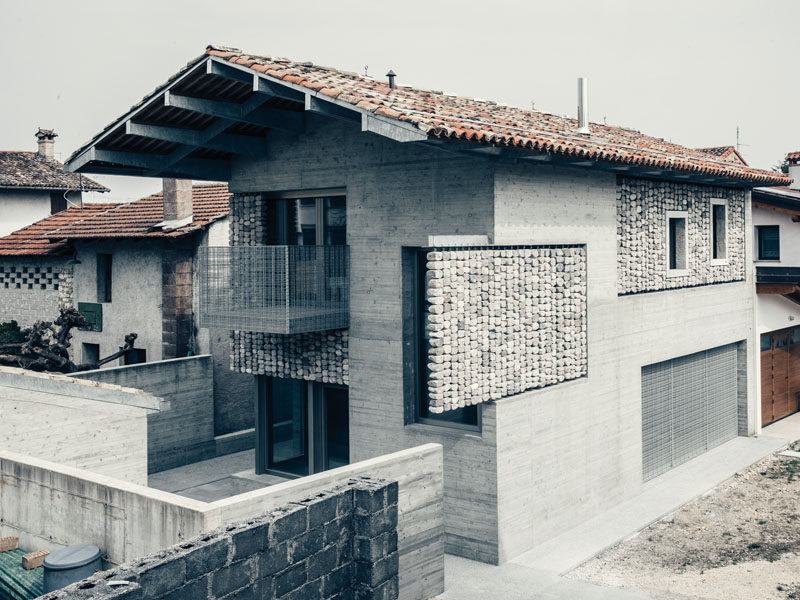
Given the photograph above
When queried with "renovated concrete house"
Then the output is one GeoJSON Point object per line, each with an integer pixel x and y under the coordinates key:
{"type": "Point", "coordinates": [34, 185]}
{"type": "Point", "coordinates": [565, 306]}
{"type": "Point", "coordinates": [776, 235]}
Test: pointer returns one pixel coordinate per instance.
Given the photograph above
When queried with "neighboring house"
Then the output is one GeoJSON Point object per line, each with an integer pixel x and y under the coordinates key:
{"type": "Point", "coordinates": [34, 185]}
{"type": "Point", "coordinates": [36, 273]}
{"type": "Point", "coordinates": [776, 220]}
{"type": "Point", "coordinates": [566, 307]}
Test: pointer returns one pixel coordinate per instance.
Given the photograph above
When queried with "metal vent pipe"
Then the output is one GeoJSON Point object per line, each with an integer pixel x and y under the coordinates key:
{"type": "Point", "coordinates": [583, 106]}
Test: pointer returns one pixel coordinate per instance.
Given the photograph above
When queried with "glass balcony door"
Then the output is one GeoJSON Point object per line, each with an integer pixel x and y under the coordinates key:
{"type": "Point", "coordinates": [302, 427]}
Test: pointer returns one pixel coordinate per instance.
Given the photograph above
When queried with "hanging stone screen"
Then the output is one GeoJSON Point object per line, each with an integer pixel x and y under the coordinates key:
{"type": "Point", "coordinates": [502, 320]}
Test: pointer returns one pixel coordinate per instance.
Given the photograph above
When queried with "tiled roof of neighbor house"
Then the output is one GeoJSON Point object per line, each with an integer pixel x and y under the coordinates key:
{"type": "Point", "coordinates": [469, 120]}
{"type": "Point", "coordinates": [32, 240]}
{"type": "Point", "coordinates": [138, 219]}
{"type": "Point", "coordinates": [793, 156]}
{"type": "Point", "coordinates": [779, 195]}
{"type": "Point", "coordinates": [30, 170]}
{"type": "Point", "coordinates": [726, 153]}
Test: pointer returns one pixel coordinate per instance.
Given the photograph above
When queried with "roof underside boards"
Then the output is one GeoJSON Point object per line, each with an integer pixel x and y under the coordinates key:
{"type": "Point", "coordinates": [29, 170]}
{"type": "Point", "coordinates": [777, 197]}
{"type": "Point", "coordinates": [225, 102]}
{"type": "Point", "coordinates": [140, 219]}
{"type": "Point", "coordinates": [32, 240]}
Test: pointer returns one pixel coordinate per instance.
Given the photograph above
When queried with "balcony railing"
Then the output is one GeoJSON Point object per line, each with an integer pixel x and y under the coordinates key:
{"type": "Point", "coordinates": [275, 289]}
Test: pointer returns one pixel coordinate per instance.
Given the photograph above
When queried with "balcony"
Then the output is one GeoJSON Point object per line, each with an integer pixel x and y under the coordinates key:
{"type": "Point", "coordinates": [275, 289]}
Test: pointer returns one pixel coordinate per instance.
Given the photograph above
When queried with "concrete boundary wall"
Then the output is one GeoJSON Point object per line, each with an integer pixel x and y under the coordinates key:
{"type": "Point", "coordinates": [185, 433]}
{"type": "Point", "coordinates": [40, 499]}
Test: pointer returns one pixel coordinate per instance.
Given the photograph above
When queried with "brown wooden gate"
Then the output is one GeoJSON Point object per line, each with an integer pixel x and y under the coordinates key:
{"type": "Point", "coordinates": [780, 374]}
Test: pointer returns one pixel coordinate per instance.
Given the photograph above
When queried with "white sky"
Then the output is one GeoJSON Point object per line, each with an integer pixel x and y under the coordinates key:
{"type": "Point", "coordinates": [687, 71]}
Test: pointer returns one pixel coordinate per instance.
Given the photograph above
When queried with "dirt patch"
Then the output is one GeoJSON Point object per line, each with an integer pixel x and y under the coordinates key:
{"type": "Point", "coordinates": [741, 540]}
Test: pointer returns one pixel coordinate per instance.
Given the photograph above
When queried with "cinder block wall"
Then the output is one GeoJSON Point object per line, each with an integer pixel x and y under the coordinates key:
{"type": "Point", "coordinates": [184, 433]}
{"type": "Point", "coordinates": [33, 289]}
{"type": "Point", "coordinates": [337, 544]}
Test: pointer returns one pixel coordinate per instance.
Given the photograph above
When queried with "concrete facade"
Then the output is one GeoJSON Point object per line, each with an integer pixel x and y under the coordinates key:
{"type": "Point", "coordinates": [184, 433]}
{"type": "Point", "coordinates": [102, 429]}
{"type": "Point", "coordinates": [542, 460]}
{"type": "Point", "coordinates": [34, 289]}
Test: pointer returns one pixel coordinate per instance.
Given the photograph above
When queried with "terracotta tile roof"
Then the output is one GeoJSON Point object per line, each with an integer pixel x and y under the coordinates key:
{"type": "Point", "coordinates": [793, 156]}
{"type": "Point", "coordinates": [29, 170]}
{"type": "Point", "coordinates": [726, 153]}
{"type": "Point", "coordinates": [466, 119]}
{"type": "Point", "coordinates": [31, 240]}
{"type": "Point", "coordinates": [137, 219]}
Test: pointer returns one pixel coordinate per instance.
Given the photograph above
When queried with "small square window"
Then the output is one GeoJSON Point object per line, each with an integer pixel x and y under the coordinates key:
{"type": "Point", "coordinates": [768, 242]}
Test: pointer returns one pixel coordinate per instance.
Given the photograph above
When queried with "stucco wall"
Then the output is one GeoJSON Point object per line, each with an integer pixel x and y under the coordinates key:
{"type": "Point", "coordinates": [789, 237]}
{"type": "Point", "coordinates": [136, 295]}
{"type": "Point", "coordinates": [19, 208]}
{"type": "Point", "coordinates": [33, 289]}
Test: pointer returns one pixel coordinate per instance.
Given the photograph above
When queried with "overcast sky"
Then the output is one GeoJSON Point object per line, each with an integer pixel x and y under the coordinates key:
{"type": "Point", "coordinates": [687, 71]}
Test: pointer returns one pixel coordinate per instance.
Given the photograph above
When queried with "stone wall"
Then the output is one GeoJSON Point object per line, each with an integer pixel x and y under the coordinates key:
{"type": "Point", "coordinates": [33, 289]}
{"type": "Point", "coordinates": [319, 356]}
{"type": "Point", "coordinates": [503, 320]}
{"type": "Point", "coordinates": [642, 207]}
{"type": "Point", "coordinates": [337, 544]}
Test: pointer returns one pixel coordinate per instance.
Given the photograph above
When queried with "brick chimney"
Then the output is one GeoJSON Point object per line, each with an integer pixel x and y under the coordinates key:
{"type": "Point", "coordinates": [794, 169]}
{"type": "Point", "coordinates": [177, 199]}
{"type": "Point", "coordinates": [46, 139]}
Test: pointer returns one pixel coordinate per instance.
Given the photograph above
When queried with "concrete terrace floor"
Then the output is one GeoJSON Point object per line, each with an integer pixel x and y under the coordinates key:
{"type": "Point", "coordinates": [214, 479]}
{"type": "Point", "coordinates": [539, 574]}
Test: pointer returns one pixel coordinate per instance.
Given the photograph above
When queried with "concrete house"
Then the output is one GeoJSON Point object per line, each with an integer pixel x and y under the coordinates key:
{"type": "Point", "coordinates": [776, 236]}
{"type": "Point", "coordinates": [34, 185]}
{"type": "Point", "coordinates": [565, 306]}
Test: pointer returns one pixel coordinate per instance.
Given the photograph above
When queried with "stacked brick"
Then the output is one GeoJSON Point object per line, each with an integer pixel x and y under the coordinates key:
{"type": "Point", "coordinates": [34, 290]}
{"type": "Point", "coordinates": [500, 321]}
{"type": "Point", "coordinates": [338, 544]}
{"type": "Point", "coordinates": [642, 207]}
{"type": "Point", "coordinates": [319, 356]}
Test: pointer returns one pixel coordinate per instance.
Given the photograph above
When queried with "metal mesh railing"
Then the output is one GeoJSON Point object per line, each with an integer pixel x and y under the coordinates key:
{"type": "Point", "coordinates": [275, 289]}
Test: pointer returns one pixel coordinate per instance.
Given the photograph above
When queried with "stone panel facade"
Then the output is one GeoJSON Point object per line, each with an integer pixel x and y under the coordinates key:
{"type": "Point", "coordinates": [319, 356]}
{"type": "Point", "coordinates": [500, 321]}
{"type": "Point", "coordinates": [339, 544]}
{"type": "Point", "coordinates": [32, 290]}
{"type": "Point", "coordinates": [642, 207]}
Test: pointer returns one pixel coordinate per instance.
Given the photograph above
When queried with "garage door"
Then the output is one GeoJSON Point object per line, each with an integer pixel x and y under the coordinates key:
{"type": "Point", "coordinates": [689, 405]}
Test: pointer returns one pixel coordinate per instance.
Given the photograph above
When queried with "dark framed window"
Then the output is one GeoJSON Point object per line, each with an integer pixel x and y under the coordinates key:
{"type": "Point", "coordinates": [57, 202]}
{"type": "Point", "coordinates": [766, 342]}
{"type": "Point", "coordinates": [719, 250]}
{"type": "Point", "coordinates": [90, 353]}
{"type": "Point", "coordinates": [104, 278]}
{"type": "Point", "coordinates": [417, 345]}
{"type": "Point", "coordinates": [676, 245]}
{"type": "Point", "coordinates": [308, 220]}
{"type": "Point", "coordinates": [134, 356]}
{"type": "Point", "coordinates": [768, 242]}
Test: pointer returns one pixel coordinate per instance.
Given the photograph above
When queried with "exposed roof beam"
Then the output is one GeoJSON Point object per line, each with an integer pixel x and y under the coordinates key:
{"type": "Point", "coordinates": [196, 168]}
{"type": "Point", "coordinates": [245, 113]}
{"type": "Point", "coordinates": [264, 86]}
{"type": "Point", "coordinates": [314, 104]}
{"type": "Point", "coordinates": [221, 69]}
{"type": "Point", "coordinates": [225, 142]}
{"type": "Point", "coordinates": [392, 129]}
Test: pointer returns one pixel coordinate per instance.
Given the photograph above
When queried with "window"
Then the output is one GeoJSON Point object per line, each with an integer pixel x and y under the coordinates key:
{"type": "Point", "coordinates": [766, 342]}
{"type": "Point", "coordinates": [134, 356]}
{"type": "Point", "coordinates": [308, 221]}
{"type": "Point", "coordinates": [416, 356]}
{"type": "Point", "coordinates": [769, 242]}
{"type": "Point", "coordinates": [57, 202]}
{"type": "Point", "coordinates": [104, 278]}
{"type": "Point", "coordinates": [90, 354]}
{"type": "Point", "coordinates": [719, 235]}
{"type": "Point", "coordinates": [676, 243]}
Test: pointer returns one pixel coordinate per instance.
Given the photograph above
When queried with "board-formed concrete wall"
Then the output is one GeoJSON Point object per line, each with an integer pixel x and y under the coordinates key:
{"type": "Point", "coordinates": [340, 543]}
{"type": "Point", "coordinates": [184, 433]}
{"type": "Point", "coordinates": [33, 289]}
{"type": "Point", "coordinates": [102, 429]}
{"type": "Point", "coordinates": [500, 321]}
{"type": "Point", "coordinates": [642, 207]}
{"type": "Point", "coordinates": [129, 521]}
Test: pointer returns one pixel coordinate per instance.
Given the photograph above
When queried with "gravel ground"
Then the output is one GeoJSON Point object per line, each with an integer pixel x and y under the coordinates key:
{"type": "Point", "coordinates": [741, 540]}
